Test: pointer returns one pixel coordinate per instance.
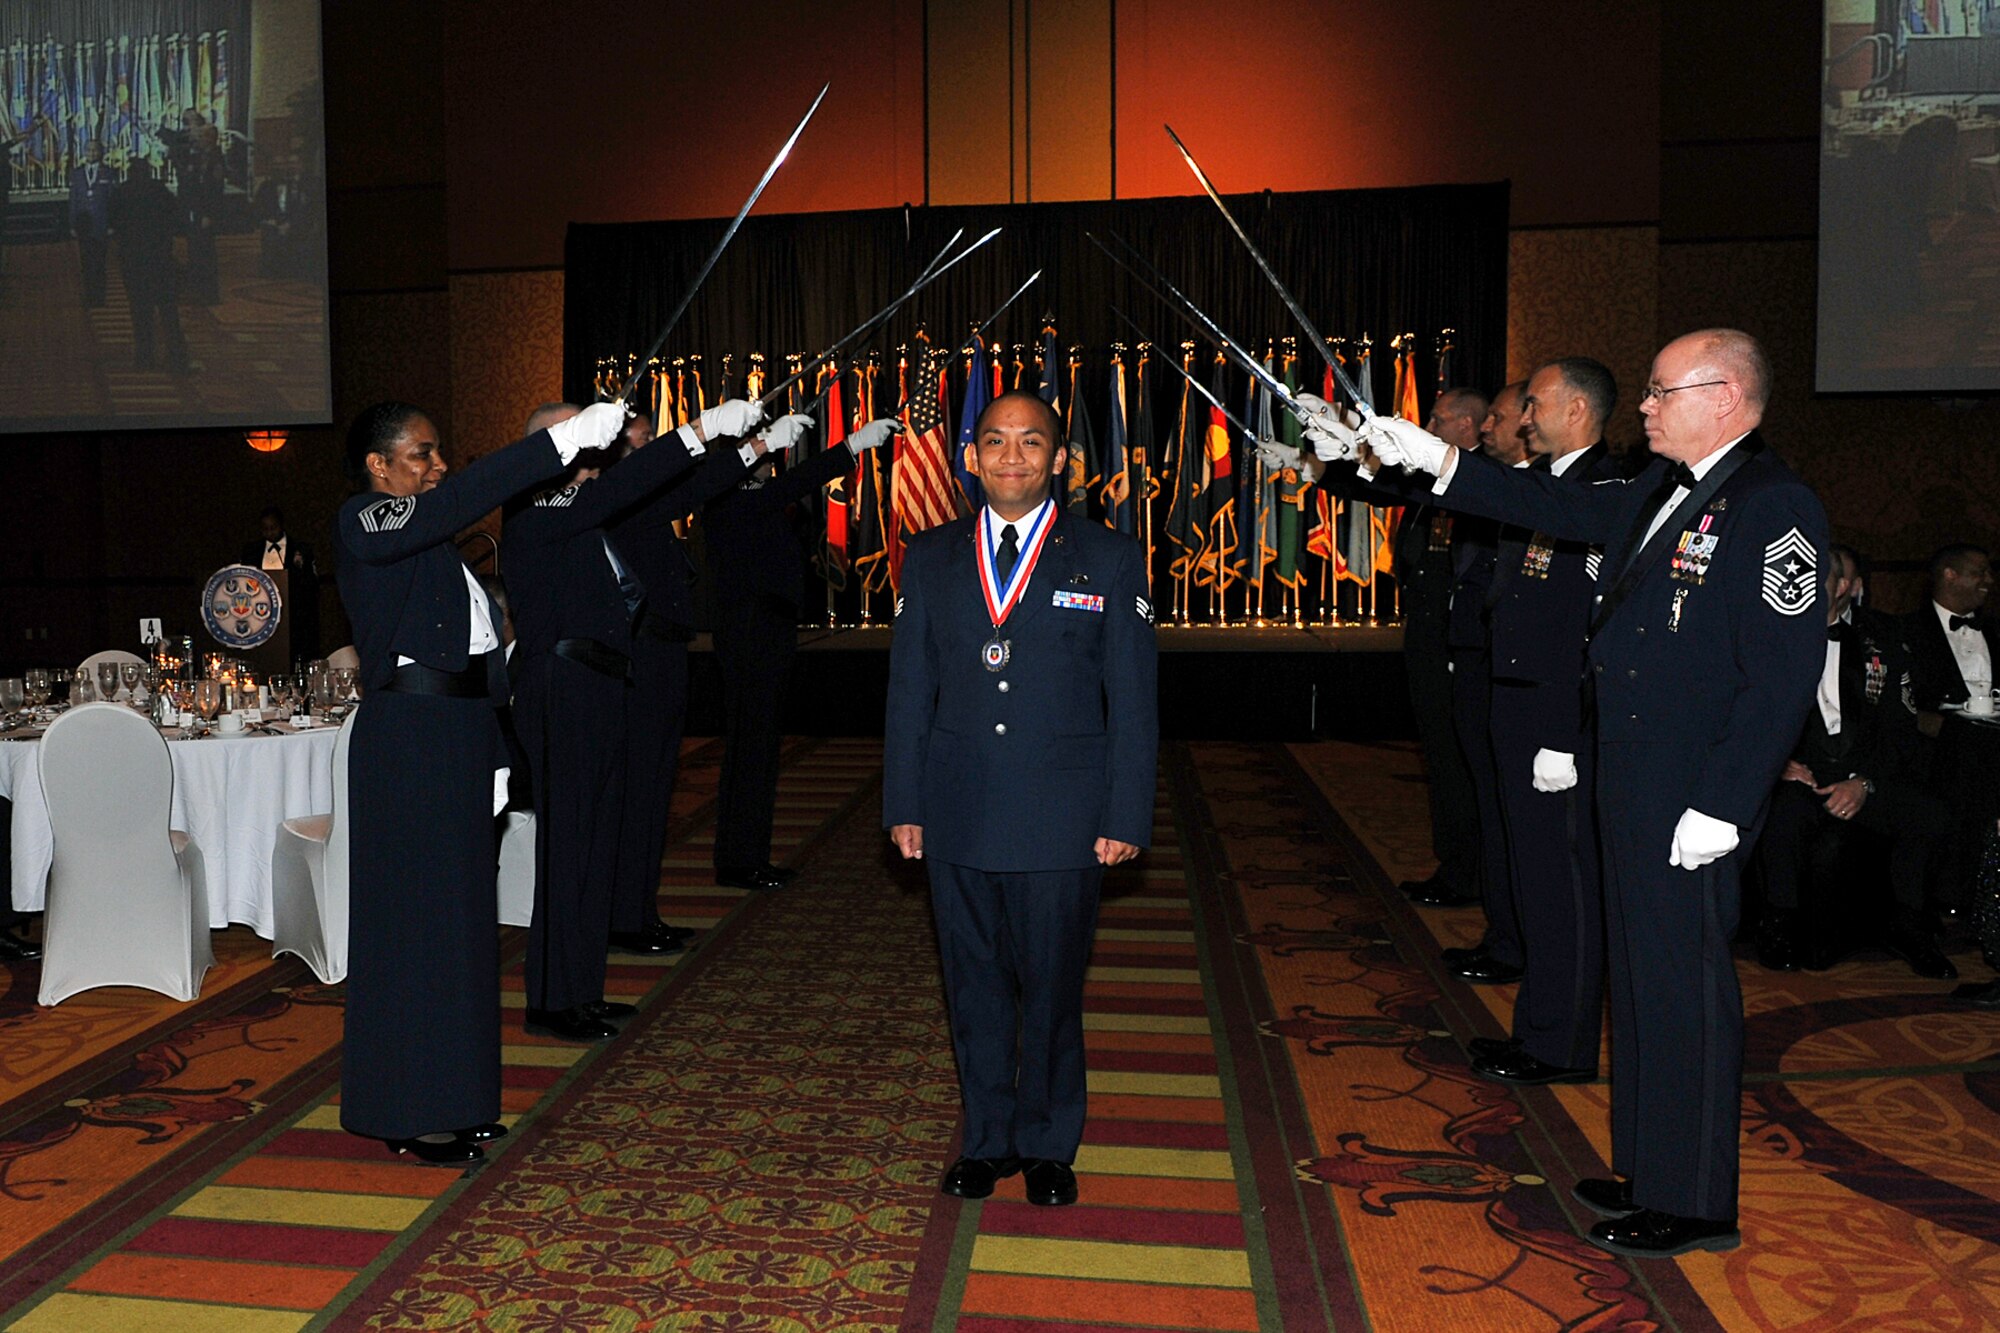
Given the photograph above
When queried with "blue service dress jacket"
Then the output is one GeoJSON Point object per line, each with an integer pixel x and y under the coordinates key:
{"type": "Point", "coordinates": [1710, 640]}
{"type": "Point", "coordinates": [1023, 768]}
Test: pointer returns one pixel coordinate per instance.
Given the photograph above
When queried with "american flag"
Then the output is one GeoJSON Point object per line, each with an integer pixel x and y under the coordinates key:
{"type": "Point", "coordinates": [921, 488]}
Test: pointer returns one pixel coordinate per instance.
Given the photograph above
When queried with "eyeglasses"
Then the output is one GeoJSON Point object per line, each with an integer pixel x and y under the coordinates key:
{"type": "Point", "coordinates": [1655, 391]}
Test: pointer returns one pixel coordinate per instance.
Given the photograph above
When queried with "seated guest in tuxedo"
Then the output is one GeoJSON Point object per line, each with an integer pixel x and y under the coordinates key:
{"type": "Point", "coordinates": [1858, 765]}
{"type": "Point", "coordinates": [1953, 650]}
{"type": "Point", "coordinates": [276, 549]}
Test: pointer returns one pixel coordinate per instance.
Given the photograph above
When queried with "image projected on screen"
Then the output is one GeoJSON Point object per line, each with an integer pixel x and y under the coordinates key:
{"type": "Point", "coordinates": [162, 215]}
{"type": "Point", "coordinates": [1909, 196]}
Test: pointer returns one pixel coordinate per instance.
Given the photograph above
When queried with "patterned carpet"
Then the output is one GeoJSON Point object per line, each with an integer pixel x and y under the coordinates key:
{"type": "Point", "coordinates": [1283, 1131]}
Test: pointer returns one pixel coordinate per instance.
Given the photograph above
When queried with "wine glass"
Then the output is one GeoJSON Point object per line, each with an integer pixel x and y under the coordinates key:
{"type": "Point", "coordinates": [343, 684]}
{"type": "Point", "coordinates": [208, 698]}
{"type": "Point", "coordinates": [107, 681]}
{"type": "Point", "coordinates": [36, 686]}
{"type": "Point", "coordinates": [131, 673]}
{"type": "Point", "coordinates": [85, 691]}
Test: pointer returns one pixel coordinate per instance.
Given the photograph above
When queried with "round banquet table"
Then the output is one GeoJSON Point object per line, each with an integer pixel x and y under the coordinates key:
{"type": "Point", "coordinates": [230, 795]}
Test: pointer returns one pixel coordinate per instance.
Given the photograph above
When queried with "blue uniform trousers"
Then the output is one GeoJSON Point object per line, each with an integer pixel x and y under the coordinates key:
{"type": "Point", "coordinates": [1014, 947]}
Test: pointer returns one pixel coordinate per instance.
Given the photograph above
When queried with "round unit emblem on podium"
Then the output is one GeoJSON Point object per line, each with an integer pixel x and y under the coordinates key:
{"type": "Point", "coordinates": [240, 607]}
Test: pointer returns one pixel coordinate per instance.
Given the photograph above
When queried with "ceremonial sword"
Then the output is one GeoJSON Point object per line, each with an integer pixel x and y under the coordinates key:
{"type": "Point", "coordinates": [1182, 371]}
{"type": "Point", "coordinates": [646, 361]}
{"type": "Point", "coordinates": [1291, 302]}
{"type": "Point", "coordinates": [1033, 278]}
{"type": "Point", "coordinates": [932, 272]}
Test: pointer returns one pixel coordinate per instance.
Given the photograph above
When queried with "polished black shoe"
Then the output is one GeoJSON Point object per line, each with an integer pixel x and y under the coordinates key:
{"type": "Point", "coordinates": [482, 1133]}
{"type": "Point", "coordinates": [1613, 1198]}
{"type": "Point", "coordinates": [643, 942]}
{"type": "Point", "coordinates": [660, 930]}
{"type": "Point", "coordinates": [1487, 971]}
{"type": "Point", "coordinates": [1050, 1184]}
{"type": "Point", "coordinates": [576, 1024]}
{"type": "Point", "coordinates": [1493, 1045]}
{"type": "Point", "coordinates": [14, 949]}
{"type": "Point", "coordinates": [974, 1177]}
{"type": "Point", "coordinates": [607, 1010]}
{"type": "Point", "coordinates": [1649, 1234]}
{"type": "Point", "coordinates": [1517, 1066]}
{"type": "Point", "coordinates": [752, 877]}
{"type": "Point", "coordinates": [1435, 894]}
{"type": "Point", "coordinates": [1980, 995]}
{"type": "Point", "coordinates": [453, 1152]}
{"type": "Point", "coordinates": [1914, 946]}
{"type": "Point", "coordinates": [1777, 948]}
{"type": "Point", "coordinates": [1454, 956]}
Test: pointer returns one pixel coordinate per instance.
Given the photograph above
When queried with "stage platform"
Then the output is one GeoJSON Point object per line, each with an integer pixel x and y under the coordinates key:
{"type": "Point", "coordinates": [1251, 683]}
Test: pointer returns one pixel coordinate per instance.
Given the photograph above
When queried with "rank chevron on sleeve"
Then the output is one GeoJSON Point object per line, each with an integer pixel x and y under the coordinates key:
{"type": "Point", "coordinates": [1791, 570]}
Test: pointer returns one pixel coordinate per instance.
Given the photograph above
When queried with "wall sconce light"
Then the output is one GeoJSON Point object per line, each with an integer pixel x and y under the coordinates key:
{"type": "Point", "coordinates": [266, 441]}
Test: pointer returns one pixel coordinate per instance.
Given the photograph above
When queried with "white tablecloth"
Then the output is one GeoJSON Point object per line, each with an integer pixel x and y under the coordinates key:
{"type": "Point", "coordinates": [230, 795]}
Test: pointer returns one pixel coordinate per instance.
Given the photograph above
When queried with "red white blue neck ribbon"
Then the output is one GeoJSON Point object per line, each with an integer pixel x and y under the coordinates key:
{"type": "Point", "coordinates": [1000, 602]}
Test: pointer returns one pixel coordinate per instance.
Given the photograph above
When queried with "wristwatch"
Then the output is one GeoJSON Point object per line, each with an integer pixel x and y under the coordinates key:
{"type": "Point", "coordinates": [1867, 784]}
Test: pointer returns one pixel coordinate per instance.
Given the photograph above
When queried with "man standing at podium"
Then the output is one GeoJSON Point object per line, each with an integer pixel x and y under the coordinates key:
{"type": "Point", "coordinates": [1019, 746]}
{"type": "Point", "coordinates": [276, 551]}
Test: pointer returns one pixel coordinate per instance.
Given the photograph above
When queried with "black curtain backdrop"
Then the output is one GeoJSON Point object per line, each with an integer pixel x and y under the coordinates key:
{"type": "Point", "coordinates": [1379, 262]}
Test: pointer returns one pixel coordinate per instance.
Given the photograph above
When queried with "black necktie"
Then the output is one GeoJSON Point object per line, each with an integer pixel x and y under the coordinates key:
{"type": "Point", "coordinates": [1965, 622]}
{"type": "Point", "coordinates": [1010, 552]}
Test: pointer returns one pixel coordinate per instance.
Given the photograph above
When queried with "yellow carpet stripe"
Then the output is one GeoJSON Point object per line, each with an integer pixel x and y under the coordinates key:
{"type": "Point", "coordinates": [1154, 1085]}
{"type": "Point", "coordinates": [1174, 1265]}
{"type": "Point", "coordinates": [1094, 1022]}
{"type": "Point", "coordinates": [68, 1312]}
{"type": "Point", "coordinates": [1163, 976]}
{"type": "Point", "coordinates": [327, 1116]}
{"type": "Point", "coordinates": [1181, 1163]}
{"type": "Point", "coordinates": [362, 1212]}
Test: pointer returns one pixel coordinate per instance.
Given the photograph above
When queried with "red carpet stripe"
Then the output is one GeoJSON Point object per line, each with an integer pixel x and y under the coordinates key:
{"type": "Point", "coordinates": [1090, 1222]}
{"type": "Point", "coordinates": [200, 1239]}
{"type": "Point", "coordinates": [1152, 1062]}
{"type": "Point", "coordinates": [1156, 1134]}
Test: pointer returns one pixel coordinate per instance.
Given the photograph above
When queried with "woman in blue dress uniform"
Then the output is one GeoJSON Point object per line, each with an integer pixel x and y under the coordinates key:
{"type": "Point", "coordinates": [421, 1066]}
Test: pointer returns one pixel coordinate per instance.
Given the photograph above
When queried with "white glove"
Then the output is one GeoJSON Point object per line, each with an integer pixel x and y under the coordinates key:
{"type": "Point", "coordinates": [1699, 839]}
{"type": "Point", "coordinates": [500, 776]}
{"type": "Point", "coordinates": [873, 435]}
{"type": "Point", "coordinates": [1400, 443]}
{"type": "Point", "coordinates": [734, 418]}
{"type": "Point", "coordinates": [593, 428]}
{"type": "Point", "coordinates": [1275, 456]}
{"type": "Point", "coordinates": [785, 432]}
{"type": "Point", "coordinates": [1330, 436]}
{"type": "Point", "coordinates": [1554, 770]}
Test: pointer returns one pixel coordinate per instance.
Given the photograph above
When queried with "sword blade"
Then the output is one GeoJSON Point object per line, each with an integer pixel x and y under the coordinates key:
{"type": "Point", "coordinates": [1033, 278]}
{"type": "Point", "coordinates": [1230, 347]}
{"type": "Point", "coordinates": [932, 272]}
{"type": "Point", "coordinates": [1284, 294]}
{"type": "Point", "coordinates": [1181, 370]}
{"type": "Point", "coordinates": [714, 255]}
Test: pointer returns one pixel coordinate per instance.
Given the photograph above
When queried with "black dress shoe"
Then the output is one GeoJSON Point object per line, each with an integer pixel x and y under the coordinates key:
{"type": "Point", "coordinates": [1454, 956]}
{"type": "Point", "coordinates": [1613, 1198]}
{"type": "Point", "coordinates": [1444, 895]}
{"type": "Point", "coordinates": [1650, 1234]}
{"type": "Point", "coordinates": [569, 1024]}
{"type": "Point", "coordinates": [660, 930]}
{"type": "Point", "coordinates": [1488, 971]}
{"type": "Point", "coordinates": [1915, 947]}
{"type": "Point", "coordinates": [1517, 1066]}
{"type": "Point", "coordinates": [608, 1009]}
{"type": "Point", "coordinates": [1493, 1045]}
{"type": "Point", "coordinates": [751, 877]}
{"type": "Point", "coordinates": [453, 1152]}
{"type": "Point", "coordinates": [482, 1133]}
{"type": "Point", "coordinates": [1983, 995]}
{"type": "Point", "coordinates": [1050, 1184]}
{"type": "Point", "coordinates": [974, 1177]}
{"type": "Point", "coordinates": [641, 942]}
{"type": "Point", "coordinates": [14, 949]}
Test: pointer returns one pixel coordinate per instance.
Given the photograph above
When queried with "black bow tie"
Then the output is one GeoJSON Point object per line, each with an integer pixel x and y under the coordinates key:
{"type": "Point", "coordinates": [1839, 631]}
{"type": "Point", "coordinates": [1680, 474]}
{"type": "Point", "coordinates": [1957, 623]}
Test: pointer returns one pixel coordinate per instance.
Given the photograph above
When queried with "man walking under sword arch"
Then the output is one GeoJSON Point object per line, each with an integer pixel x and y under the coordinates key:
{"type": "Point", "coordinates": [1019, 744]}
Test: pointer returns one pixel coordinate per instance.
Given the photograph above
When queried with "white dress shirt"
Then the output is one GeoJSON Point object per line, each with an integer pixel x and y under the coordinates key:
{"type": "Point", "coordinates": [1968, 645]}
{"type": "Point", "coordinates": [274, 553]}
{"type": "Point", "coordinates": [1828, 694]}
{"type": "Point", "coordinates": [1558, 466]}
{"type": "Point", "coordinates": [1700, 470]}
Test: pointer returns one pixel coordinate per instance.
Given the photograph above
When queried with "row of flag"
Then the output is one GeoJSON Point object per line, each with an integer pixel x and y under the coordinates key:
{"type": "Point", "coordinates": [1148, 456]}
{"type": "Point", "coordinates": [120, 91]}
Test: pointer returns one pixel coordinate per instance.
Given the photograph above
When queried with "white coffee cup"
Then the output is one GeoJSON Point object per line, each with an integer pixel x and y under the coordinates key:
{"type": "Point", "coordinates": [1979, 703]}
{"type": "Point", "coordinates": [230, 723]}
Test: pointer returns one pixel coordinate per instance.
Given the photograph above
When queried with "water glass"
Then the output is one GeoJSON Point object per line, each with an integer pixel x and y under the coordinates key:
{"type": "Point", "coordinates": [36, 686]}
{"type": "Point", "coordinates": [131, 673]}
{"type": "Point", "coordinates": [12, 694]}
{"type": "Point", "coordinates": [208, 698]}
{"type": "Point", "coordinates": [84, 691]}
{"type": "Point", "coordinates": [107, 681]}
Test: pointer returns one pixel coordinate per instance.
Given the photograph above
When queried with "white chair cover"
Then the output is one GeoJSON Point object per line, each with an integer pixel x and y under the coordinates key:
{"type": "Point", "coordinates": [517, 870]}
{"type": "Point", "coordinates": [309, 879]}
{"type": "Point", "coordinates": [343, 657]}
{"type": "Point", "coordinates": [127, 899]}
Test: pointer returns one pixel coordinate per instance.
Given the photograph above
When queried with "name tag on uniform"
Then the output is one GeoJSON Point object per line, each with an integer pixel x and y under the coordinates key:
{"type": "Point", "coordinates": [1079, 601]}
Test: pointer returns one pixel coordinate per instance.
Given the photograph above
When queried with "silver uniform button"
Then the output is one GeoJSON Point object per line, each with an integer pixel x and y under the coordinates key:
{"type": "Point", "coordinates": [1004, 687]}
{"type": "Point", "coordinates": [999, 728]}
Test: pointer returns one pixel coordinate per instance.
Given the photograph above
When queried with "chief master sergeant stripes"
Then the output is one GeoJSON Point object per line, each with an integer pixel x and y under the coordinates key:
{"type": "Point", "coordinates": [1706, 648]}
{"type": "Point", "coordinates": [1019, 748]}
